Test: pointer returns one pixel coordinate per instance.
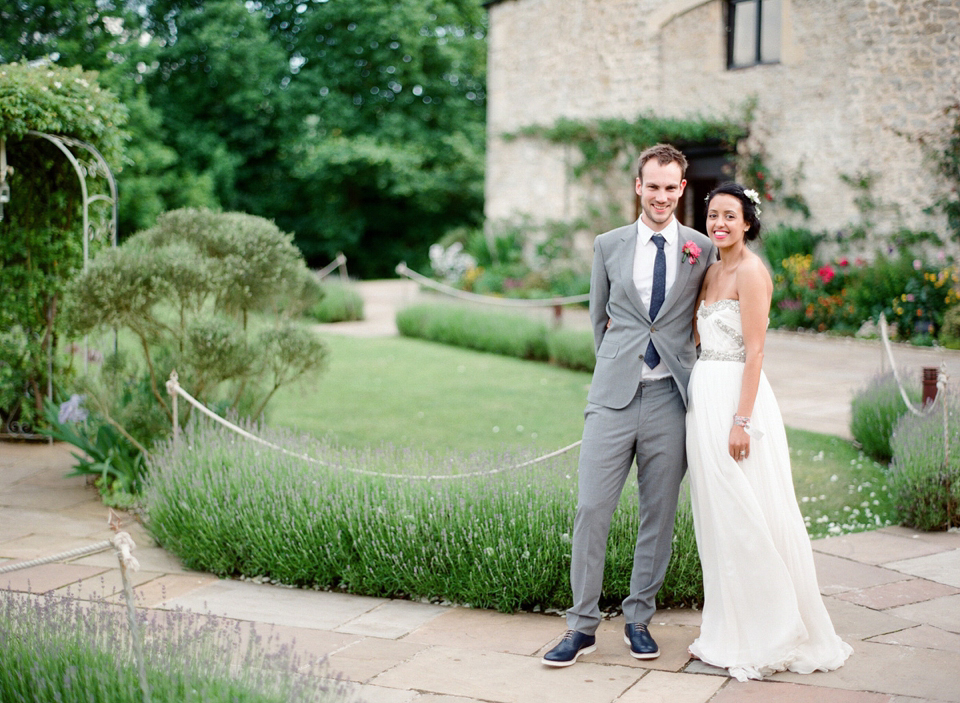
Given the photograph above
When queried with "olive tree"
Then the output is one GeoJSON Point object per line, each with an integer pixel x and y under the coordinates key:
{"type": "Point", "coordinates": [186, 289]}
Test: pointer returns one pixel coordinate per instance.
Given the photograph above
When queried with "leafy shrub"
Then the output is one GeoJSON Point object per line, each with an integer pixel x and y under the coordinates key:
{"type": "Point", "coordinates": [925, 484]}
{"type": "Point", "coordinates": [73, 651]}
{"type": "Point", "coordinates": [185, 290]}
{"type": "Point", "coordinates": [573, 349]}
{"type": "Point", "coordinates": [876, 409]}
{"type": "Point", "coordinates": [782, 242]}
{"type": "Point", "coordinates": [340, 303]}
{"type": "Point", "coordinates": [950, 331]}
{"type": "Point", "coordinates": [499, 540]}
{"type": "Point", "coordinates": [117, 464]}
{"type": "Point", "coordinates": [498, 333]}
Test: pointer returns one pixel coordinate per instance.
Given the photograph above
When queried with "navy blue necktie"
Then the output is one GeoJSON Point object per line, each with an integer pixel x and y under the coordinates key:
{"type": "Point", "coordinates": [652, 356]}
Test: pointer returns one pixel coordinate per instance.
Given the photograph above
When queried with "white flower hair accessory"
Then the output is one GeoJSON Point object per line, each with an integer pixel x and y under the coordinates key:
{"type": "Point", "coordinates": [754, 198]}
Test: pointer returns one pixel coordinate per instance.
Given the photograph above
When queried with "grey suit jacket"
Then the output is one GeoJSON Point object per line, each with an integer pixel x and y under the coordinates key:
{"type": "Point", "coordinates": [614, 297]}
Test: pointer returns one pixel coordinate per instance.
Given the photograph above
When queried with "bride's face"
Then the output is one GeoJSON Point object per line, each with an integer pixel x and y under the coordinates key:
{"type": "Point", "coordinates": [725, 223]}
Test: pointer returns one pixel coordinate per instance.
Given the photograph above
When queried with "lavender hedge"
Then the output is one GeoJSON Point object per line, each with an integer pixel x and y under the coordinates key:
{"type": "Point", "coordinates": [232, 507]}
{"type": "Point", "coordinates": [61, 649]}
{"type": "Point", "coordinates": [925, 471]}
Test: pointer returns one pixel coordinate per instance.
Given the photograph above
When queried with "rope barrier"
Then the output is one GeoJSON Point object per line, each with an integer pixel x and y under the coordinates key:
{"type": "Point", "coordinates": [489, 299]}
{"type": "Point", "coordinates": [941, 376]}
{"type": "Point", "coordinates": [175, 389]}
{"type": "Point", "coordinates": [63, 556]}
{"type": "Point", "coordinates": [328, 269]}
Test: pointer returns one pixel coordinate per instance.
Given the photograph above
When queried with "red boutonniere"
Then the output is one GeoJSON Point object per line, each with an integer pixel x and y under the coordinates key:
{"type": "Point", "coordinates": [691, 252]}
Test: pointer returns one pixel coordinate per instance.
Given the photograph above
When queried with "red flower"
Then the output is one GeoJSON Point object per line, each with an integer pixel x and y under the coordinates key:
{"type": "Point", "coordinates": [843, 262]}
{"type": "Point", "coordinates": [826, 274]}
{"type": "Point", "coordinates": [690, 252]}
{"type": "Point", "coordinates": [768, 196]}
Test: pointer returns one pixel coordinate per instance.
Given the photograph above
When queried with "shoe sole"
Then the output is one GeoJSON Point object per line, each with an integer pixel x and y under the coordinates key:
{"type": "Point", "coordinates": [637, 655]}
{"type": "Point", "coordinates": [556, 664]}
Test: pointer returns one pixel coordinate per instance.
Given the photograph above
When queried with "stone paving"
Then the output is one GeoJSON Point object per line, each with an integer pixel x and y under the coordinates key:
{"type": "Point", "coordinates": [894, 594]}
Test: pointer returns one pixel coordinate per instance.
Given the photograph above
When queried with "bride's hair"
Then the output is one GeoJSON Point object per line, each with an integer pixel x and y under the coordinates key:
{"type": "Point", "coordinates": [750, 207]}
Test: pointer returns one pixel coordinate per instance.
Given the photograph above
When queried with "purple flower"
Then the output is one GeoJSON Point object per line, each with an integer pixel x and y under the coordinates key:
{"type": "Point", "coordinates": [72, 410]}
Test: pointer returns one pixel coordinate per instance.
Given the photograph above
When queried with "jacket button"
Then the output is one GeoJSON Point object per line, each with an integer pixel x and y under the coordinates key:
{"type": "Point", "coordinates": [652, 328]}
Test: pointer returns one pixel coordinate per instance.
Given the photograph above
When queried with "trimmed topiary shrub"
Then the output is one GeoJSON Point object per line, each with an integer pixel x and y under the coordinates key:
{"type": "Point", "coordinates": [340, 302]}
{"type": "Point", "coordinates": [950, 331]}
{"type": "Point", "coordinates": [875, 411]}
{"type": "Point", "coordinates": [498, 333]}
{"type": "Point", "coordinates": [925, 472]}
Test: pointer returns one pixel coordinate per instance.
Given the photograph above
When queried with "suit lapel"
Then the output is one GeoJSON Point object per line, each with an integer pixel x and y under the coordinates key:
{"type": "Point", "coordinates": [629, 248]}
{"type": "Point", "coordinates": [684, 269]}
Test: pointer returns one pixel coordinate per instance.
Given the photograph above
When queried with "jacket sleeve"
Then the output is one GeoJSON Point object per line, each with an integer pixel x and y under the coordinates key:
{"type": "Point", "coordinates": [599, 294]}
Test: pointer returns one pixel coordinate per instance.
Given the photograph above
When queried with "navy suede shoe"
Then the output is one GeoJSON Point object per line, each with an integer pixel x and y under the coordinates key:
{"type": "Point", "coordinates": [571, 646]}
{"type": "Point", "coordinates": [641, 643]}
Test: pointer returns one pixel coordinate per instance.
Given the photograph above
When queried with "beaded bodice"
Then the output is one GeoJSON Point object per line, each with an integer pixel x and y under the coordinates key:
{"type": "Point", "coordinates": [721, 333]}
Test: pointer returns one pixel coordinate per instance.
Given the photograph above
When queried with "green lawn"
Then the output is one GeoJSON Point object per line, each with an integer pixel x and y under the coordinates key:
{"type": "Point", "coordinates": [419, 394]}
{"type": "Point", "coordinates": [422, 395]}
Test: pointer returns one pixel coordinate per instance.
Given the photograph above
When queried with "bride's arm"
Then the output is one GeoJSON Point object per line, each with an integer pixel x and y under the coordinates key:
{"type": "Point", "coordinates": [754, 289]}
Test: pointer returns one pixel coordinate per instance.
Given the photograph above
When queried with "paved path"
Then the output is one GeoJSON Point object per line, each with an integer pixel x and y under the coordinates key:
{"type": "Point", "coordinates": [894, 594]}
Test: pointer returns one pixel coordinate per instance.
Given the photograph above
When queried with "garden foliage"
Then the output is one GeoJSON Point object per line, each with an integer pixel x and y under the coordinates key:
{"type": "Point", "coordinates": [186, 290]}
{"type": "Point", "coordinates": [340, 303]}
{"type": "Point", "coordinates": [925, 472]}
{"type": "Point", "coordinates": [498, 333]}
{"type": "Point", "coordinates": [500, 540]}
{"type": "Point", "coordinates": [876, 409]}
{"type": "Point", "coordinates": [73, 651]}
{"type": "Point", "coordinates": [41, 242]}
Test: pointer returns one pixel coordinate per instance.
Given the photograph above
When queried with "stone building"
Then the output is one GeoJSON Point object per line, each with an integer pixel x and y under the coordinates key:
{"type": "Point", "coordinates": [842, 88]}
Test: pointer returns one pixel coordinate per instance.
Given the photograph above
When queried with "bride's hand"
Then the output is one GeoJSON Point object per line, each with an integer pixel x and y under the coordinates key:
{"type": "Point", "coordinates": [739, 443]}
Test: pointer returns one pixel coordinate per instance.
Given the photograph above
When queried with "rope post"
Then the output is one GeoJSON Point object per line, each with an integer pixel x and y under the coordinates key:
{"type": "Point", "coordinates": [124, 544]}
{"type": "Point", "coordinates": [930, 378]}
{"type": "Point", "coordinates": [172, 385]}
{"type": "Point", "coordinates": [557, 316]}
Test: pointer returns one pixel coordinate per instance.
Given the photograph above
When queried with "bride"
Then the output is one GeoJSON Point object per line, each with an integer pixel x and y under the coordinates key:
{"type": "Point", "coordinates": [763, 611]}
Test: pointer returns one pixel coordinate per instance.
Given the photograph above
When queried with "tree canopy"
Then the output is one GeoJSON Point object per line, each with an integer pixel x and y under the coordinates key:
{"type": "Point", "coordinates": [358, 125]}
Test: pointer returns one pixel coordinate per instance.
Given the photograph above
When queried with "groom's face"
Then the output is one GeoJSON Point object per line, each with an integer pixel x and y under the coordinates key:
{"type": "Point", "coordinates": [659, 187]}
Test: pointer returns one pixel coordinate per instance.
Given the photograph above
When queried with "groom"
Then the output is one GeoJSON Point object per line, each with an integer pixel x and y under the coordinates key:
{"type": "Point", "coordinates": [645, 282]}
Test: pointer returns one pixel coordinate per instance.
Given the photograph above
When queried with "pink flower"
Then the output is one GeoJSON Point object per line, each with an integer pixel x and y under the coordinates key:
{"type": "Point", "coordinates": [843, 262]}
{"type": "Point", "coordinates": [691, 252]}
{"type": "Point", "coordinates": [826, 274]}
{"type": "Point", "coordinates": [917, 264]}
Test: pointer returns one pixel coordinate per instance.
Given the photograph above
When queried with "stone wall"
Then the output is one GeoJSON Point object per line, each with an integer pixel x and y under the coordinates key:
{"type": "Point", "coordinates": [856, 79]}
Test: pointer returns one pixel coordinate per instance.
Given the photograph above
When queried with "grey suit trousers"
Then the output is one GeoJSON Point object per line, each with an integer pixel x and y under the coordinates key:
{"type": "Point", "coordinates": [650, 429]}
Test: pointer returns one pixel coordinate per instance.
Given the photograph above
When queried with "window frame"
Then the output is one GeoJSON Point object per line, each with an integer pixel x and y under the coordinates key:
{"type": "Point", "coordinates": [757, 40]}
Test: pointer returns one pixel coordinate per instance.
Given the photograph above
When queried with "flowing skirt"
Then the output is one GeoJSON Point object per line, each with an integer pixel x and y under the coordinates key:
{"type": "Point", "coordinates": [763, 611]}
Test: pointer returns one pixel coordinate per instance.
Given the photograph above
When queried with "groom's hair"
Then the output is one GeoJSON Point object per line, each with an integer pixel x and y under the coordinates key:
{"type": "Point", "coordinates": [664, 154]}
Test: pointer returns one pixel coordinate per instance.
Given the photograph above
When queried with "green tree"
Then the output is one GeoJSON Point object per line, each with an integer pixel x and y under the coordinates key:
{"type": "Point", "coordinates": [392, 100]}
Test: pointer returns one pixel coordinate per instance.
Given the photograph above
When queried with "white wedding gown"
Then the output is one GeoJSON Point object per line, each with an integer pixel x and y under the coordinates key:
{"type": "Point", "coordinates": [763, 611]}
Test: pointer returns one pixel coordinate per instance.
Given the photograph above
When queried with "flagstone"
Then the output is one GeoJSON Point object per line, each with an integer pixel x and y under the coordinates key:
{"type": "Point", "coordinates": [272, 604]}
{"type": "Point", "coordinates": [922, 636]}
{"type": "Point", "coordinates": [364, 659]}
{"type": "Point", "coordinates": [856, 622]}
{"type": "Point", "coordinates": [767, 691]}
{"type": "Point", "coordinates": [666, 687]}
{"type": "Point", "coordinates": [508, 678]}
{"type": "Point", "coordinates": [939, 612]}
{"type": "Point", "coordinates": [470, 628]}
{"type": "Point", "coordinates": [884, 668]}
{"type": "Point", "coordinates": [875, 547]}
{"type": "Point", "coordinates": [898, 593]}
{"type": "Point", "coordinates": [943, 567]}
{"type": "Point", "coordinates": [104, 585]}
{"type": "Point", "coordinates": [837, 574]}
{"type": "Point", "coordinates": [150, 559]}
{"type": "Point", "coordinates": [155, 592]}
{"type": "Point", "coordinates": [47, 577]}
{"type": "Point", "coordinates": [36, 546]}
{"type": "Point", "coordinates": [392, 619]}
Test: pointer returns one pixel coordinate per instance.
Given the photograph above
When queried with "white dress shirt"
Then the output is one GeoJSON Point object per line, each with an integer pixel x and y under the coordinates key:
{"type": "Point", "coordinates": [643, 274]}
